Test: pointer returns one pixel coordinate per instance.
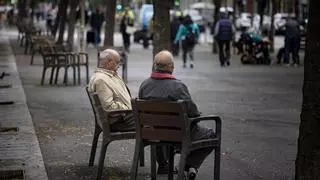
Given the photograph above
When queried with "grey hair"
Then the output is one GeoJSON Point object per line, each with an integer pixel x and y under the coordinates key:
{"type": "Point", "coordinates": [107, 55]}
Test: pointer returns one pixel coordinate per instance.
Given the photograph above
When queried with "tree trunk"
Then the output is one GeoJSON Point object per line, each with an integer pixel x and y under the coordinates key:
{"type": "Point", "coordinates": [72, 23]}
{"type": "Point", "coordinates": [216, 18]}
{"type": "Point", "coordinates": [110, 22]}
{"type": "Point", "coordinates": [22, 6]}
{"type": "Point", "coordinates": [308, 156]}
{"type": "Point", "coordinates": [297, 9]}
{"type": "Point", "coordinates": [234, 5]}
{"type": "Point", "coordinates": [161, 26]}
{"type": "Point", "coordinates": [82, 26]}
{"type": "Point", "coordinates": [262, 5]}
{"type": "Point", "coordinates": [58, 18]}
{"type": "Point", "coordinates": [32, 6]}
{"type": "Point", "coordinates": [63, 18]}
{"type": "Point", "coordinates": [272, 30]}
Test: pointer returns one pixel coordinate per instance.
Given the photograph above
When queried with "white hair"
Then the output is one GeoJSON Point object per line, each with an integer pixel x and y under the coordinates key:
{"type": "Point", "coordinates": [107, 55]}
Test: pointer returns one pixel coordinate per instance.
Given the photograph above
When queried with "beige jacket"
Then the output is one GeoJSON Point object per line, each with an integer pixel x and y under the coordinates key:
{"type": "Point", "coordinates": [111, 90]}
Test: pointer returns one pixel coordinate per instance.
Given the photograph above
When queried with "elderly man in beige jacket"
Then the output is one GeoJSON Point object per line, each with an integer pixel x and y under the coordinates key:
{"type": "Point", "coordinates": [111, 89]}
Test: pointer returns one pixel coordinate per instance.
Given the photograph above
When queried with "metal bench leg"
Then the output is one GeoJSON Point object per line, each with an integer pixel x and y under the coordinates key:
{"type": "Point", "coordinates": [141, 155]}
{"type": "Point", "coordinates": [217, 157]}
{"type": "Point", "coordinates": [171, 162]}
{"type": "Point", "coordinates": [65, 79]}
{"type": "Point", "coordinates": [32, 57]}
{"type": "Point", "coordinates": [134, 166]}
{"type": "Point", "coordinates": [104, 147]}
{"type": "Point", "coordinates": [79, 74]}
{"type": "Point", "coordinates": [74, 75]}
{"type": "Point", "coordinates": [97, 132]}
{"type": "Point", "coordinates": [43, 75]}
{"type": "Point", "coordinates": [57, 75]}
{"type": "Point", "coordinates": [87, 72]}
{"type": "Point", "coordinates": [51, 75]}
{"type": "Point", "coordinates": [153, 164]}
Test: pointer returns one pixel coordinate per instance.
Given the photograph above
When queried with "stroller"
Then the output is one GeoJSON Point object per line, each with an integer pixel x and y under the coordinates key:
{"type": "Point", "coordinates": [254, 49]}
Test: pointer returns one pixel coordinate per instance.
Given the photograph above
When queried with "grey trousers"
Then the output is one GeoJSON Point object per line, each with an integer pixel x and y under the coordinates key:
{"type": "Point", "coordinates": [196, 157]}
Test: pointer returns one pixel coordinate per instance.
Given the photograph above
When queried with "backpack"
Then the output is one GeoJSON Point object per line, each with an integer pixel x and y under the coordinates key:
{"type": "Point", "coordinates": [190, 36]}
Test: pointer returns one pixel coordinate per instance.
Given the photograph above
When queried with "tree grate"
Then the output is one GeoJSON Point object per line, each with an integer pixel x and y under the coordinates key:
{"type": "Point", "coordinates": [16, 174]}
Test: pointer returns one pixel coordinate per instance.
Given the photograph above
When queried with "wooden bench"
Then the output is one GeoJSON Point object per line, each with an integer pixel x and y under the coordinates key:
{"type": "Point", "coordinates": [167, 123]}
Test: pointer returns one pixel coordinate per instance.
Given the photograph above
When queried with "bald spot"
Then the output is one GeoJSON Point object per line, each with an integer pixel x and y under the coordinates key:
{"type": "Point", "coordinates": [113, 54]}
{"type": "Point", "coordinates": [163, 58]}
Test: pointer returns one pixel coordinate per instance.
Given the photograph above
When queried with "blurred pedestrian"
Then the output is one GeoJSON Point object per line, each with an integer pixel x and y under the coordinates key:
{"type": "Point", "coordinates": [97, 19]}
{"type": "Point", "coordinates": [292, 41]}
{"type": "Point", "coordinates": [127, 22]}
{"type": "Point", "coordinates": [224, 32]}
{"type": "Point", "coordinates": [188, 33]}
{"type": "Point", "coordinates": [175, 24]}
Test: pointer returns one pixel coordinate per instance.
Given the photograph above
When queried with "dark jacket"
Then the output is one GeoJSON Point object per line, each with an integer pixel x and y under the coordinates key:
{"type": "Point", "coordinates": [292, 29]}
{"type": "Point", "coordinates": [97, 19]}
{"type": "Point", "coordinates": [175, 24]}
{"type": "Point", "coordinates": [224, 30]}
{"type": "Point", "coordinates": [168, 89]}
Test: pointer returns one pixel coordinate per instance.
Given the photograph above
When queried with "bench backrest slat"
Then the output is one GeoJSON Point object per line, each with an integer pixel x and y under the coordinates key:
{"type": "Point", "coordinates": [160, 120]}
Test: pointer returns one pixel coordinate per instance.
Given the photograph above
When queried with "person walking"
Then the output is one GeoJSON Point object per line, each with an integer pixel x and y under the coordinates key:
{"type": "Point", "coordinates": [291, 42]}
{"type": "Point", "coordinates": [97, 19]}
{"type": "Point", "coordinates": [188, 33]}
{"type": "Point", "coordinates": [223, 33]}
{"type": "Point", "coordinates": [127, 21]}
{"type": "Point", "coordinates": [175, 24]}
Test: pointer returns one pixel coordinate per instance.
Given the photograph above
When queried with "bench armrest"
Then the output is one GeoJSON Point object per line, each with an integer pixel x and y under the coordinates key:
{"type": "Point", "coordinates": [215, 118]}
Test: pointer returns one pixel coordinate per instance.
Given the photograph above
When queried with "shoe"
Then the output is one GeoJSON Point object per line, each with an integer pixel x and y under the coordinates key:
{"type": "Point", "coordinates": [184, 65]}
{"type": "Point", "coordinates": [228, 63]}
{"type": "Point", "coordinates": [191, 66]}
{"type": "Point", "coordinates": [192, 174]}
{"type": "Point", "coordinates": [163, 169]}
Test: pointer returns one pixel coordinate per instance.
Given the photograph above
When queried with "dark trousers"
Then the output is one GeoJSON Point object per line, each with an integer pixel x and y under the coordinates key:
{"type": "Point", "coordinates": [175, 49]}
{"type": "Point", "coordinates": [224, 51]}
{"type": "Point", "coordinates": [97, 32]}
{"type": "Point", "coordinates": [187, 49]}
{"type": "Point", "coordinates": [126, 123]}
{"type": "Point", "coordinates": [196, 157]}
{"type": "Point", "coordinates": [291, 46]}
{"type": "Point", "coordinates": [126, 40]}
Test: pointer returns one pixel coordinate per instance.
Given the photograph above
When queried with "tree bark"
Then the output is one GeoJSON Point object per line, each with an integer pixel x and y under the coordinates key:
{"type": "Point", "coordinates": [234, 5]}
{"type": "Point", "coordinates": [161, 26]}
{"type": "Point", "coordinates": [297, 9]}
{"type": "Point", "coordinates": [216, 18]}
{"type": "Point", "coordinates": [272, 30]}
{"type": "Point", "coordinates": [63, 18]}
{"type": "Point", "coordinates": [58, 18]}
{"type": "Point", "coordinates": [72, 23]}
{"type": "Point", "coordinates": [110, 22]}
{"type": "Point", "coordinates": [22, 6]}
{"type": "Point", "coordinates": [308, 156]}
{"type": "Point", "coordinates": [32, 6]}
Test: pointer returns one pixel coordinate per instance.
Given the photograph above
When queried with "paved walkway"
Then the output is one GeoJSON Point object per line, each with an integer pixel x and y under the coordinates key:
{"type": "Point", "coordinates": [19, 146]}
{"type": "Point", "coordinates": [259, 105]}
